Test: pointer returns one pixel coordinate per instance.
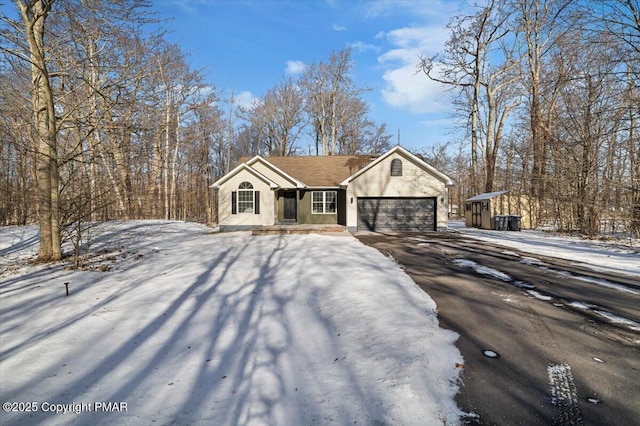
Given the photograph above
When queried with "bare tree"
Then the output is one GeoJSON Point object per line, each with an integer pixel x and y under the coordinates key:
{"type": "Point", "coordinates": [28, 35]}
{"type": "Point", "coordinates": [454, 163]}
{"type": "Point", "coordinates": [328, 88]}
{"type": "Point", "coordinates": [357, 134]}
{"type": "Point", "coordinates": [539, 23]}
{"type": "Point", "coordinates": [80, 77]}
{"type": "Point", "coordinates": [17, 166]}
{"type": "Point", "coordinates": [486, 91]}
{"type": "Point", "coordinates": [180, 89]}
{"type": "Point", "coordinates": [136, 130]}
{"type": "Point", "coordinates": [278, 118]}
{"type": "Point", "coordinates": [584, 124]}
{"type": "Point", "coordinates": [622, 21]}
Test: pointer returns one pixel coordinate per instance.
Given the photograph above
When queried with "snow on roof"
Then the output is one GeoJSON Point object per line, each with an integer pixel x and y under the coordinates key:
{"type": "Point", "coordinates": [486, 196]}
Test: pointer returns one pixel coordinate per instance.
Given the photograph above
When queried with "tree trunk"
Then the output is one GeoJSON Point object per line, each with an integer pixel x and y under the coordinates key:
{"type": "Point", "coordinates": [167, 153]}
{"type": "Point", "coordinates": [634, 159]}
{"type": "Point", "coordinates": [532, 23]}
{"type": "Point", "coordinates": [174, 171]}
{"type": "Point", "coordinates": [33, 15]}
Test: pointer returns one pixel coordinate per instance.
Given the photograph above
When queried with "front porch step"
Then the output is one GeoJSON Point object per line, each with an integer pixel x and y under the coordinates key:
{"type": "Point", "coordinates": [299, 229]}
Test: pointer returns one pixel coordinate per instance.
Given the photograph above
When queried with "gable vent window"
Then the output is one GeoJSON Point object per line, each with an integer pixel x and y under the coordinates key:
{"type": "Point", "coordinates": [245, 200]}
{"type": "Point", "coordinates": [396, 167]}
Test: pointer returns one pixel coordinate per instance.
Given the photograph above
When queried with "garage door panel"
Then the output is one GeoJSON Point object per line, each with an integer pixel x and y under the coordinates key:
{"type": "Point", "coordinates": [396, 214]}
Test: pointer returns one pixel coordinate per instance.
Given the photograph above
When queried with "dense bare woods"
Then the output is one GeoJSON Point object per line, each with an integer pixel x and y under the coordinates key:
{"type": "Point", "coordinates": [548, 93]}
{"type": "Point", "coordinates": [102, 118]}
{"type": "Point", "coordinates": [111, 103]}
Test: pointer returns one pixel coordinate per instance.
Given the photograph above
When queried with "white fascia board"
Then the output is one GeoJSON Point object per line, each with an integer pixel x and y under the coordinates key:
{"type": "Point", "coordinates": [275, 169]}
{"type": "Point", "coordinates": [239, 168]}
{"type": "Point", "coordinates": [226, 177]}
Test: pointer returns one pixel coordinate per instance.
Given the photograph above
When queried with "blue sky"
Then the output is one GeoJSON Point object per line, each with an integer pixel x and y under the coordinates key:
{"type": "Point", "coordinates": [247, 47]}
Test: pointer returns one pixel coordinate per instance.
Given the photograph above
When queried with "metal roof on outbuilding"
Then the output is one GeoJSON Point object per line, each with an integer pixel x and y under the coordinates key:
{"type": "Point", "coordinates": [486, 196]}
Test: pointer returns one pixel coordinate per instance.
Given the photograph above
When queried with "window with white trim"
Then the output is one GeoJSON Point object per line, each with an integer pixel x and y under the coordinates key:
{"type": "Point", "coordinates": [396, 167]}
{"type": "Point", "coordinates": [324, 202]}
{"type": "Point", "coordinates": [245, 198]}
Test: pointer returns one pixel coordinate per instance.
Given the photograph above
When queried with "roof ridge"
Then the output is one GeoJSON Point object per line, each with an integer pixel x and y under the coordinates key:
{"type": "Point", "coordinates": [320, 156]}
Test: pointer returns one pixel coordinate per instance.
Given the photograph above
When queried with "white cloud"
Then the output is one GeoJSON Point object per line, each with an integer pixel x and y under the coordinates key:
{"type": "Point", "coordinates": [337, 27]}
{"type": "Point", "coordinates": [360, 47]}
{"type": "Point", "coordinates": [400, 56]}
{"type": "Point", "coordinates": [245, 99]}
{"type": "Point", "coordinates": [294, 68]}
{"type": "Point", "coordinates": [405, 87]}
{"type": "Point", "coordinates": [413, 91]}
{"type": "Point", "coordinates": [431, 37]}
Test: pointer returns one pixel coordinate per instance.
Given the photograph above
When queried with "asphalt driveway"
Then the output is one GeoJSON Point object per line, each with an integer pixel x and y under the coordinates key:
{"type": "Point", "coordinates": [530, 358]}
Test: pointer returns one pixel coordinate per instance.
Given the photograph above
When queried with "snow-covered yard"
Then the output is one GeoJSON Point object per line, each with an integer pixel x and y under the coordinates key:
{"type": "Point", "coordinates": [612, 255]}
{"type": "Point", "coordinates": [177, 325]}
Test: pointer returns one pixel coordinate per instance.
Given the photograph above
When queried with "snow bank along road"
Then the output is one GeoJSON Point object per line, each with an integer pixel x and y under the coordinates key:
{"type": "Point", "coordinates": [545, 341]}
{"type": "Point", "coordinates": [170, 324]}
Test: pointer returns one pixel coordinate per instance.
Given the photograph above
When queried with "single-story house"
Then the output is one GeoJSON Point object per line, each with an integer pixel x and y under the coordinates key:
{"type": "Point", "coordinates": [487, 211]}
{"type": "Point", "coordinates": [396, 191]}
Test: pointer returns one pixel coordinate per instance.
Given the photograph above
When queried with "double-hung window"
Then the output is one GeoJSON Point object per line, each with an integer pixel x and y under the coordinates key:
{"type": "Point", "coordinates": [245, 198]}
{"type": "Point", "coordinates": [324, 202]}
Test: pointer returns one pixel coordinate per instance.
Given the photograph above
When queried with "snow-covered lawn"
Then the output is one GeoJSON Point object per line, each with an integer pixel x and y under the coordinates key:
{"type": "Point", "coordinates": [617, 256]}
{"type": "Point", "coordinates": [183, 326]}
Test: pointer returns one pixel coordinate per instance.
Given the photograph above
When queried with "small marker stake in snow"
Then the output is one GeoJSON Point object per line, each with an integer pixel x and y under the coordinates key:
{"type": "Point", "coordinates": [67, 287]}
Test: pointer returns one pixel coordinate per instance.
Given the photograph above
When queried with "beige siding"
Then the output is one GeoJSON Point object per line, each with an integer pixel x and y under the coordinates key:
{"type": "Point", "coordinates": [414, 182]}
{"type": "Point", "coordinates": [271, 175]}
{"type": "Point", "coordinates": [488, 221]}
{"type": "Point", "coordinates": [504, 204]}
{"type": "Point", "coordinates": [468, 215]}
{"type": "Point", "coordinates": [511, 204]}
{"type": "Point", "coordinates": [267, 204]}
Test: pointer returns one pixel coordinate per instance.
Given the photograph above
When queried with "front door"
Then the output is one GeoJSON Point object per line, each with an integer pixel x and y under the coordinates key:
{"type": "Point", "coordinates": [290, 212]}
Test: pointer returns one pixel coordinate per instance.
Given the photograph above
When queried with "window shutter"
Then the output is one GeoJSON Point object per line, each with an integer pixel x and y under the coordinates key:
{"type": "Point", "coordinates": [256, 202]}
{"type": "Point", "coordinates": [234, 203]}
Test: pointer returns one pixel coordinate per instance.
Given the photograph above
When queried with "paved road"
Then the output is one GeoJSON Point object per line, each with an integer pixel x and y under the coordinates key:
{"type": "Point", "coordinates": [544, 341]}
